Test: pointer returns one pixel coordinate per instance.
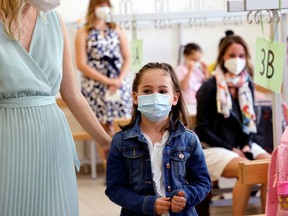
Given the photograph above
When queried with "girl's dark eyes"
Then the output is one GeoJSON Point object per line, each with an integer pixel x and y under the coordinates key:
{"type": "Point", "coordinates": [147, 91]}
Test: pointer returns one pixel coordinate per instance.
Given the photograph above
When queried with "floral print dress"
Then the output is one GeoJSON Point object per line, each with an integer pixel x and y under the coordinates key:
{"type": "Point", "coordinates": [104, 54]}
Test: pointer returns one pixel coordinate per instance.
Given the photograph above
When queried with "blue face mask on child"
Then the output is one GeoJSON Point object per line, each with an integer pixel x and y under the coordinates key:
{"type": "Point", "coordinates": [154, 106]}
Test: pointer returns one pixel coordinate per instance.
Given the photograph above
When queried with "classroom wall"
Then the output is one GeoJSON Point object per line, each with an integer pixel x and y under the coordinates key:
{"type": "Point", "coordinates": [163, 44]}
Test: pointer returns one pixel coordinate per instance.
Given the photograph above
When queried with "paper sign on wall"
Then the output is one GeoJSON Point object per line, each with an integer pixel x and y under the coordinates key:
{"type": "Point", "coordinates": [269, 64]}
{"type": "Point", "coordinates": [137, 55]}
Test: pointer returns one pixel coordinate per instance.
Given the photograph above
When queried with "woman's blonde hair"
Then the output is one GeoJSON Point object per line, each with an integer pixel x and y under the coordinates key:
{"type": "Point", "coordinates": [10, 14]}
{"type": "Point", "coordinates": [90, 17]}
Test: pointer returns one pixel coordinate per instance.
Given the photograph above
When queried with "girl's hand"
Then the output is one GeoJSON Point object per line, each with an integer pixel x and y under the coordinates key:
{"type": "Point", "coordinates": [178, 202]}
{"type": "Point", "coordinates": [190, 65]}
{"type": "Point", "coordinates": [162, 205]}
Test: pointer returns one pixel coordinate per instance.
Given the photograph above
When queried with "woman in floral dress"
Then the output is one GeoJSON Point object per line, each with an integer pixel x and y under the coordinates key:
{"type": "Point", "coordinates": [102, 55]}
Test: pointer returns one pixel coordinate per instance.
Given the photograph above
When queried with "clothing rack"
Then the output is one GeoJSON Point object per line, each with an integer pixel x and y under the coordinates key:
{"type": "Point", "coordinates": [177, 16]}
{"type": "Point", "coordinates": [275, 11]}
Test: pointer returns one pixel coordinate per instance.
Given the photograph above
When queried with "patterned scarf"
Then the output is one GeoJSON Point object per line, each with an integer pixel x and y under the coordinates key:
{"type": "Point", "coordinates": [224, 101]}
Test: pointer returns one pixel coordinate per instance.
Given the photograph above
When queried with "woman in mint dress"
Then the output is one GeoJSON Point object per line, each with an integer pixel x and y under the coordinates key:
{"type": "Point", "coordinates": [37, 152]}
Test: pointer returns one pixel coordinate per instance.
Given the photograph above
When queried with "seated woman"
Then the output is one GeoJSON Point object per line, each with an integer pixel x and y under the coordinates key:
{"type": "Point", "coordinates": [225, 121]}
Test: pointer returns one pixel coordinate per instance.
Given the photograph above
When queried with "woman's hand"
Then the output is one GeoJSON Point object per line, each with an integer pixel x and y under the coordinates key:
{"type": "Point", "coordinates": [178, 202]}
{"type": "Point", "coordinates": [162, 205]}
{"type": "Point", "coordinates": [239, 152]}
{"type": "Point", "coordinates": [246, 148]}
{"type": "Point", "coordinates": [116, 83]}
{"type": "Point", "coordinates": [112, 89]}
{"type": "Point", "coordinates": [247, 152]}
{"type": "Point", "coordinates": [105, 151]}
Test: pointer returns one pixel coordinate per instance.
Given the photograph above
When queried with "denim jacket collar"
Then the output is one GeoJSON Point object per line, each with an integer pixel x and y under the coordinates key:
{"type": "Point", "coordinates": [135, 131]}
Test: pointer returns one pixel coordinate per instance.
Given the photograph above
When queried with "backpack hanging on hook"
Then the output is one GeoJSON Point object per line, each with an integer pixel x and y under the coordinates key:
{"type": "Point", "coordinates": [277, 193]}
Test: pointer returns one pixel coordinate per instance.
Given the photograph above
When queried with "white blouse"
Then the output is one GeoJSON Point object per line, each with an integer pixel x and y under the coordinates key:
{"type": "Point", "coordinates": [156, 158]}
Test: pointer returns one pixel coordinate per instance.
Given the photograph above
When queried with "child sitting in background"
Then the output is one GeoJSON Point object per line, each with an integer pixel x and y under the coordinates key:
{"type": "Point", "coordinates": [156, 166]}
{"type": "Point", "coordinates": [191, 74]}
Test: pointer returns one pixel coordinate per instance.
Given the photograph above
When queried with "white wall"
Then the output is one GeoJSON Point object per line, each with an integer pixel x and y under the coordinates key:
{"type": "Point", "coordinates": [72, 10]}
{"type": "Point", "coordinates": [163, 44]}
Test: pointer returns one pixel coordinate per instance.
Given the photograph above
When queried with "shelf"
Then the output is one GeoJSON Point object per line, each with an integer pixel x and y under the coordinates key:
{"type": "Point", "coordinates": [172, 16]}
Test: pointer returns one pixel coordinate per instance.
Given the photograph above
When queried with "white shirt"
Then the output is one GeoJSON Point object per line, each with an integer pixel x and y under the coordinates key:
{"type": "Point", "coordinates": [156, 157]}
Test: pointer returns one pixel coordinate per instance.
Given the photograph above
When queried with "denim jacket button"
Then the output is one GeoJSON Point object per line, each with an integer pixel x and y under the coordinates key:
{"type": "Point", "coordinates": [168, 166]}
{"type": "Point", "coordinates": [169, 188]}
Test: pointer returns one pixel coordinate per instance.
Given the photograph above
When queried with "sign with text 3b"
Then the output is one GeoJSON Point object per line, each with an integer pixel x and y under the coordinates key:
{"type": "Point", "coordinates": [269, 64]}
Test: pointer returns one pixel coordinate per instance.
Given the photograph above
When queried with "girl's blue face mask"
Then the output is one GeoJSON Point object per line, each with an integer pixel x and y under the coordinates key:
{"type": "Point", "coordinates": [154, 106]}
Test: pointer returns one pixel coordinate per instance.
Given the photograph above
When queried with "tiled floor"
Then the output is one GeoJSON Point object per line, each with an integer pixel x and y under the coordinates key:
{"type": "Point", "coordinates": [94, 202]}
{"type": "Point", "coordinates": [92, 199]}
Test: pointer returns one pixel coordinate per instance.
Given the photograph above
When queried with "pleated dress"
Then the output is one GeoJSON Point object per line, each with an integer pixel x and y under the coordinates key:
{"type": "Point", "coordinates": [37, 152]}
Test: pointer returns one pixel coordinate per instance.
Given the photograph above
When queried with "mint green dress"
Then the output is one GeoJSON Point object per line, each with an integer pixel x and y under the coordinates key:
{"type": "Point", "coordinates": [37, 152]}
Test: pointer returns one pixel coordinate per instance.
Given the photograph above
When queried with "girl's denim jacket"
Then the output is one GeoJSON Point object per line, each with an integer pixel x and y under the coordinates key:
{"type": "Point", "coordinates": [129, 178]}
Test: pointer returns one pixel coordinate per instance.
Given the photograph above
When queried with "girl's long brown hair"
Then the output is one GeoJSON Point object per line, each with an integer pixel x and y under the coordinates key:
{"type": "Point", "coordinates": [178, 112]}
{"type": "Point", "coordinates": [90, 17]}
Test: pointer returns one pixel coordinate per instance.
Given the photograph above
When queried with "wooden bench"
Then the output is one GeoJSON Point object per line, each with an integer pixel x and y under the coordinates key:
{"type": "Point", "coordinates": [81, 136]}
{"type": "Point", "coordinates": [254, 172]}
{"type": "Point", "coordinates": [118, 122]}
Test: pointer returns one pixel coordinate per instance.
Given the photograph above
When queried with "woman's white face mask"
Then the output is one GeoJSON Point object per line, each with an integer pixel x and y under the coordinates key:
{"type": "Point", "coordinates": [44, 5]}
{"type": "Point", "coordinates": [235, 65]}
{"type": "Point", "coordinates": [102, 12]}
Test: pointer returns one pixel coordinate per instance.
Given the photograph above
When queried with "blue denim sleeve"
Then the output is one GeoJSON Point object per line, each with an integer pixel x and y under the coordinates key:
{"type": "Point", "coordinates": [118, 189]}
{"type": "Point", "coordinates": [197, 177]}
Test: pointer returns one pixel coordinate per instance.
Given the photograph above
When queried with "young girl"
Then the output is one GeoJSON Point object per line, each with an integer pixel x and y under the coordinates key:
{"type": "Point", "coordinates": [156, 165]}
{"type": "Point", "coordinates": [191, 74]}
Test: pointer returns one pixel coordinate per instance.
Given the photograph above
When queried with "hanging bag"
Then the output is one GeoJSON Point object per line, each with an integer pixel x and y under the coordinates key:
{"type": "Point", "coordinates": [277, 193]}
